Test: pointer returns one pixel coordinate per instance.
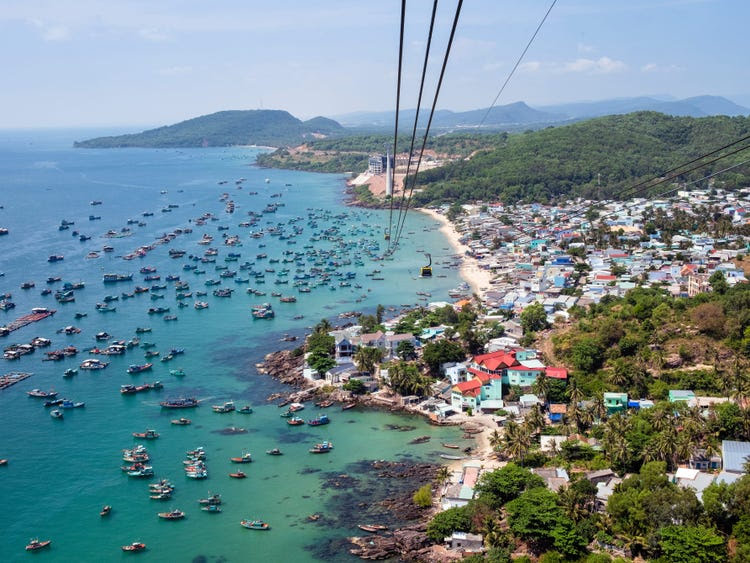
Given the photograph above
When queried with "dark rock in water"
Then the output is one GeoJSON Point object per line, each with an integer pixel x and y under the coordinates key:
{"type": "Point", "coordinates": [420, 440]}
{"type": "Point", "coordinates": [231, 430]}
{"type": "Point", "coordinates": [408, 544]}
{"type": "Point", "coordinates": [295, 438]}
{"type": "Point", "coordinates": [308, 470]}
{"type": "Point", "coordinates": [400, 428]}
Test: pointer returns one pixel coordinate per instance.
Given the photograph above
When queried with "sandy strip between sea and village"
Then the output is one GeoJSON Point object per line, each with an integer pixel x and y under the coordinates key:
{"type": "Point", "coordinates": [476, 277]}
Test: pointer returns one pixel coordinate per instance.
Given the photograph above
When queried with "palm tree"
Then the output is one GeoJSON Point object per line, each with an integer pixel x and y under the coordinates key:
{"type": "Point", "coordinates": [541, 386]}
{"type": "Point", "coordinates": [534, 420]}
{"type": "Point", "coordinates": [574, 393]}
{"type": "Point", "coordinates": [442, 475]}
{"type": "Point", "coordinates": [496, 440]}
{"type": "Point", "coordinates": [323, 326]}
{"type": "Point", "coordinates": [598, 407]}
{"type": "Point", "coordinates": [517, 441]}
{"type": "Point", "coordinates": [366, 357]}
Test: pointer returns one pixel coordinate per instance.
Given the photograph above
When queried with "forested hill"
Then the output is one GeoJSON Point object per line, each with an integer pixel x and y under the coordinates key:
{"type": "Point", "coordinates": [595, 158]}
{"type": "Point", "coordinates": [226, 128]}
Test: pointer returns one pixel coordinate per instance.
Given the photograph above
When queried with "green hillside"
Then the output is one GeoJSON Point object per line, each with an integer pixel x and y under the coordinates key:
{"type": "Point", "coordinates": [615, 151]}
{"type": "Point", "coordinates": [226, 128]}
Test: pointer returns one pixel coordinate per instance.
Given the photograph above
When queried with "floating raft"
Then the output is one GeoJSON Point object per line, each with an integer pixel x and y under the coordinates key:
{"type": "Point", "coordinates": [12, 378]}
{"type": "Point", "coordinates": [25, 320]}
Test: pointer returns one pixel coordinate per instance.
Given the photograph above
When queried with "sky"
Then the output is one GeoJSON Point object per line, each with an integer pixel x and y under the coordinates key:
{"type": "Point", "coordinates": [72, 63]}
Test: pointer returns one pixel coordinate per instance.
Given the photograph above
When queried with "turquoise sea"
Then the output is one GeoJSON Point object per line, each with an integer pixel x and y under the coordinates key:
{"type": "Point", "coordinates": [61, 472]}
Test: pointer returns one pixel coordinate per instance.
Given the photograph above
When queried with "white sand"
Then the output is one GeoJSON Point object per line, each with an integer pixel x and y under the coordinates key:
{"type": "Point", "coordinates": [476, 277]}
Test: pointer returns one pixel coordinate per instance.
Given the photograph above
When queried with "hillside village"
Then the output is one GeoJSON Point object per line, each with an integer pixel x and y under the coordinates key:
{"type": "Point", "coordinates": [611, 343]}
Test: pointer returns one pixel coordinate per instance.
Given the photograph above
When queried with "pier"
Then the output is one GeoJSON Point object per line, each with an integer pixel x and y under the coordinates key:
{"type": "Point", "coordinates": [34, 316]}
{"type": "Point", "coordinates": [12, 378]}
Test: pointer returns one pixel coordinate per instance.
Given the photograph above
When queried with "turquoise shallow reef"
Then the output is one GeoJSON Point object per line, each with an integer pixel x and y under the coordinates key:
{"type": "Point", "coordinates": [61, 472]}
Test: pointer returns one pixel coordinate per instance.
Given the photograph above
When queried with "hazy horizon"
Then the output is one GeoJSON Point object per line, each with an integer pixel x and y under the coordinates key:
{"type": "Point", "coordinates": [140, 64]}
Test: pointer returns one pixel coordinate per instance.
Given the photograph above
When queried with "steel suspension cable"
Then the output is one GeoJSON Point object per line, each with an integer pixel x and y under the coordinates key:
{"type": "Point", "coordinates": [398, 102]}
{"type": "Point", "coordinates": [429, 121]}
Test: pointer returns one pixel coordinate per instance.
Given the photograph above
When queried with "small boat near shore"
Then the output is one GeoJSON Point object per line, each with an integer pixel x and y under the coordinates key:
{"type": "Point", "coordinates": [172, 515]}
{"type": "Point", "coordinates": [244, 458]}
{"type": "Point", "coordinates": [36, 544]}
{"type": "Point", "coordinates": [147, 435]}
{"type": "Point", "coordinates": [372, 528]}
{"type": "Point", "coordinates": [254, 524]}
{"type": "Point", "coordinates": [322, 448]}
{"type": "Point", "coordinates": [181, 421]}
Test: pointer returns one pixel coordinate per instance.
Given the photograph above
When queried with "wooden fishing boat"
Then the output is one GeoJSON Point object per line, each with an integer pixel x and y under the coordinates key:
{"type": "Point", "coordinates": [181, 421]}
{"type": "Point", "coordinates": [105, 511]}
{"type": "Point", "coordinates": [35, 544]}
{"type": "Point", "coordinates": [254, 525]}
{"type": "Point", "coordinates": [244, 458]}
{"type": "Point", "coordinates": [238, 475]}
{"type": "Point", "coordinates": [171, 515]}
{"type": "Point", "coordinates": [134, 547]}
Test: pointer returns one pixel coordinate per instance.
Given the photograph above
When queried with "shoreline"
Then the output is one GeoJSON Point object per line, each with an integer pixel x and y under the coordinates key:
{"type": "Point", "coordinates": [477, 278]}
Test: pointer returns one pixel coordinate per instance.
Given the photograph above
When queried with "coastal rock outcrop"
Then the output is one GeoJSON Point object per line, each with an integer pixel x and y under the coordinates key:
{"type": "Point", "coordinates": [284, 365]}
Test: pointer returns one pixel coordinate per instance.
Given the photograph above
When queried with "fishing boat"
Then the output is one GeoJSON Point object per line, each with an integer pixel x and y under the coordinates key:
{"type": "Point", "coordinates": [210, 499]}
{"type": "Point", "coordinates": [181, 421]}
{"type": "Point", "coordinates": [372, 528]}
{"type": "Point", "coordinates": [238, 475]}
{"type": "Point", "coordinates": [177, 372]}
{"type": "Point", "coordinates": [451, 446]}
{"type": "Point", "coordinates": [141, 330]}
{"type": "Point", "coordinates": [111, 278]}
{"type": "Point", "coordinates": [319, 420]}
{"type": "Point", "coordinates": [294, 407]}
{"type": "Point", "coordinates": [147, 435]}
{"type": "Point", "coordinates": [451, 457]}
{"type": "Point", "coordinates": [93, 364]}
{"type": "Point", "coordinates": [105, 511]}
{"type": "Point", "coordinates": [295, 421]}
{"type": "Point", "coordinates": [35, 544]}
{"type": "Point", "coordinates": [68, 404]}
{"type": "Point", "coordinates": [211, 508]}
{"type": "Point", "coordinates": [348, 406]}
{"type": "Point", "coordinates": [134, 547]}
{"type": "Point", "coordinates": [56, 414]}
{"type": "Point", "coordinates": [286, 414]}
{"type": "Point", "coordinates": [70, 372]}
{"type": "Point", "coordinates": [274, 451]}
{"type": "Point", "coordinates": [182, 403]}
{"type": "Point", "coordinates": [38, 393]}
{"type": "Point", "coordinates": [226, 407]}
{"type": "Point", "coordinates": [151, 354]}
{"type": "Point", "coordinates": [322, 448]}
{"type": "Point", "coordinates": [172, 515]}
{"type": "Point", "coordinates": [254, 524]}
{"type": "Point", "coordinates": [247, 409]}
{"type": "Point", "coordinates": [138, 368]}
{"type": "Point", "coordinates": [200, 305]}
{"type": "Point", "coordinates": [325, 404]}
{"type": "Point", "coordinates": [244, 458]}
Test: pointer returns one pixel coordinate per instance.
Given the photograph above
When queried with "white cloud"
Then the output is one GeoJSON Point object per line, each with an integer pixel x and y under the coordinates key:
{"type": "Point", "coordinates": [530, 66]}
{"type": "Point", "coordinates": [175, 70]}
{"type": "Point", "coordinates": [153, 34]}
{"type": "Point", "coordinates": [51, 32]}
{"type": "Point", "coordinates": [583, 48]}
{"type": "Point", "coordinates": [602, 65]}
{"type": "Point", "coordinates": [654, 67]}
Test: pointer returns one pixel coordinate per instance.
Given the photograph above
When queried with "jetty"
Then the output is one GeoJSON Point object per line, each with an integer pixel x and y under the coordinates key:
{"type": "Point", "coordinates": [36, 315]}
{"type": "Point", "coordinates": [12, 378]}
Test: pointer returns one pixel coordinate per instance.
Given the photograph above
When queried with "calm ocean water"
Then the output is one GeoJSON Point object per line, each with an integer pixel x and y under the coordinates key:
{"type": "Point", "coordinates": [60, 473]}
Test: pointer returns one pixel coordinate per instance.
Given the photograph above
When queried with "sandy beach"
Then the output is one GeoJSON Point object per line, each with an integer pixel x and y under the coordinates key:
{"type": "Point", "coordinates": [477, 278]}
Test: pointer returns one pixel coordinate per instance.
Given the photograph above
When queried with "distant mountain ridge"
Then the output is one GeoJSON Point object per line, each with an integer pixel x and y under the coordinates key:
{"type": "Point", "coordinates": [519, 113]}
{"type": "Point", "coordinates": [226, 128]}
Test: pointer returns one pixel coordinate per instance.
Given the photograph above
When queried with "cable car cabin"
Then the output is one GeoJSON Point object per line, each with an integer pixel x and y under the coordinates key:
{"type": "Point", "coordinates": [387, 236]}
{"type": "Point", "coordinates": [426, 271]}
